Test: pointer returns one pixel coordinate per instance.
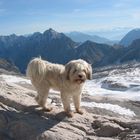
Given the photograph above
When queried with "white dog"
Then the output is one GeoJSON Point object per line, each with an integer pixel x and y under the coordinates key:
{"type": "Point", "coordinates": [68, 79]}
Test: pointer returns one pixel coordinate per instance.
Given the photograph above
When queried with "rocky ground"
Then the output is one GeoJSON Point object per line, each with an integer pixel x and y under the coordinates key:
{"type": "Point", "coordinates": [22, 119]}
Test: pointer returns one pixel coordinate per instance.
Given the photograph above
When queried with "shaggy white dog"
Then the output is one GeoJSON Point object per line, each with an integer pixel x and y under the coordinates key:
{"type": "Point", "coordinates": [68, 79]}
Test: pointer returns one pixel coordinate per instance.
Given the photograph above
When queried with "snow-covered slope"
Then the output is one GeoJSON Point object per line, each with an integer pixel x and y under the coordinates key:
{"type": "Point", "coordinates": [120, 83]}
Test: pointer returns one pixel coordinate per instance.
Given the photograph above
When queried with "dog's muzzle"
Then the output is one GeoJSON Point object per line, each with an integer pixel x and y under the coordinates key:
{"type": "Point", "coordinates": [80, 81]}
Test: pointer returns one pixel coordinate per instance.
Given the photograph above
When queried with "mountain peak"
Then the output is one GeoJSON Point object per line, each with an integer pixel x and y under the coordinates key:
{"type": "Point", "coordinates": [36, 34]}
{"type": "Point", "coordinates": [52, 30]}
{"type": "Point", "coordinates": [130, 37]}
{"type": "Point", "coordinates": [136, 29]}
{"type": "Point", "coordinates": [52, 33]}
{"type": "Point", "coordinates": [88, 42]}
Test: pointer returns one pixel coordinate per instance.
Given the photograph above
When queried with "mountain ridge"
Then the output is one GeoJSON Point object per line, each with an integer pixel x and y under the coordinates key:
{"type": "Point", "coordinates": [58, 48]}
{"type": "Point", "coordinates": [82, 37]}
{"type": "Point", "coordinates": [130, 37]}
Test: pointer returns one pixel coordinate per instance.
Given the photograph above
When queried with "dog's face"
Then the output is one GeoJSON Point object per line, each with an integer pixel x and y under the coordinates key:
{"type": "Point", "coordinates": [78, 71]}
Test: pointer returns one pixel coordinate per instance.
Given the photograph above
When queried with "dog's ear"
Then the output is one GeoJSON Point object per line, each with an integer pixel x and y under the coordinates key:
{"type": "Point", "coordinates": [68, 67]}
{"type": "Point", "coordinates": [89, 72]}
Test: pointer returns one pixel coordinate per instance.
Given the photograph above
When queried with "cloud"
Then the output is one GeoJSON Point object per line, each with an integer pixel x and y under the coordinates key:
{"type": "Point", "coordinates": [69, 15]}
{"type": "Point", "coordinates": [77, 10]}
{"type": "Point", "coordinates": [136, 16]}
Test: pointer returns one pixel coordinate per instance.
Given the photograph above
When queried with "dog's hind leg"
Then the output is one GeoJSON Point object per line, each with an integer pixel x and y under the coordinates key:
{"type": "Point", "coordinates": [41, 98]}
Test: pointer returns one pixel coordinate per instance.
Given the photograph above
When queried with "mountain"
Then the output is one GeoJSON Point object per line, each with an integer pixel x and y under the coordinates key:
{"type": "Point", "coordinates": [58, 48]}
{"type": "Point", "coordinates": [98, 54]}
{"type": "Point", "coordinates": [130, 37]}
{"type": "Point", "coordinates": [54, 47]}
{"type": "Point", "coordinates": [82, 37]}
{"type": "Point", "coordinates": [51, 45]}
{"type": "Point", "coordinates": [133, 52]}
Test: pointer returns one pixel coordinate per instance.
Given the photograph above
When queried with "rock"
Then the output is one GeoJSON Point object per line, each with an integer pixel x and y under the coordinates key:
{"type": "Point", "coordinates": [114, 85]}
{"type": "Point", "coordinates": [22, 119]}
{"type": "Point", "coordinates": [106, 128]}
{"type": "Point", "coordinates": [109, 129]}
{"type": "Point", "coordinates": [4, 136]}
{"type": "Point", "coordinates": [7, 66]}
{"type": "Point", "coordinates": [21, 130]}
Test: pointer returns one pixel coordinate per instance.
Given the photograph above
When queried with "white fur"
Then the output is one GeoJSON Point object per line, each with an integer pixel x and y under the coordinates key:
{"type": "Point", "coordinates": [68, 79]}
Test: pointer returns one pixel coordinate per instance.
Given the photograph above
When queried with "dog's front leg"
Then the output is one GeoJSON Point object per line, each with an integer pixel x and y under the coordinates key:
{"type": "Point", "coordinates": [77, 101]}
{"type": "Point", "coordinates": [66, 104]}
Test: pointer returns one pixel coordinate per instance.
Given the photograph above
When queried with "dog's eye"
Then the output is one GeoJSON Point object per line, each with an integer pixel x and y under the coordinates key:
{"type": "Point", "coordinates": [74, 71]}
{"type": "Point", "coordinates": [84, 71]}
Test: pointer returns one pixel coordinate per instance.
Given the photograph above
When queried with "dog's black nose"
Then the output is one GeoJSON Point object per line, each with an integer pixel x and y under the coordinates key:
{"type": "Point", "coordinates": [80, 76]}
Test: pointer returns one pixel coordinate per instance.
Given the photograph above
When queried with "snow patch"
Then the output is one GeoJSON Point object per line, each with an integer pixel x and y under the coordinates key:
{"type": "Point", "coordinates": [114, 108]}
{"type": "Point", "coordinates": [14, 79]}
{"type": "Point", "coordinates": [119, 84]}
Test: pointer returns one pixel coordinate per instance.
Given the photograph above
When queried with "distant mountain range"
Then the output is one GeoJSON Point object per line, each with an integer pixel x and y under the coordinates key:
{"type": "Point", "coordinates": [82, 37]}
{"type": "Point", "coordinates": [53, 46]}
{"type": "Point", "coordinates": [58, 48]}
{"type": "Point", "coordinates": [130, 37]}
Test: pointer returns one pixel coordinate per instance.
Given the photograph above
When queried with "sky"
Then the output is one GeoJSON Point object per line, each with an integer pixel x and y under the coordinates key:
{"type": "Point", "coordinates": [28, 16]}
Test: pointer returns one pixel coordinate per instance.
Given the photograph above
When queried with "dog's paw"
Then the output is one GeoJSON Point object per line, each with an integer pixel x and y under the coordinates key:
{"type": "Point", "coordinates": [80, 111]}
{"type": "Point", "coordinates": [70, 114]}
{"type": "Point", "coordinates": [47, 109]}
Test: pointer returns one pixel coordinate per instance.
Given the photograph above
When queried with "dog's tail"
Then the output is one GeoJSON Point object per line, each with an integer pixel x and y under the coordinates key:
{"type": "Point", "coordinates": [36, 70]}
